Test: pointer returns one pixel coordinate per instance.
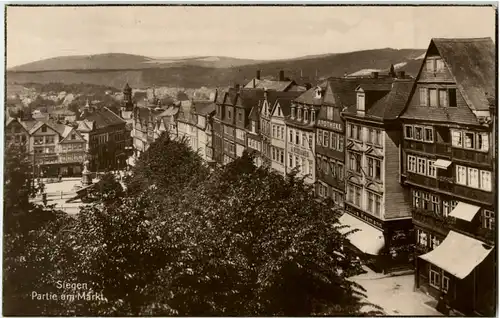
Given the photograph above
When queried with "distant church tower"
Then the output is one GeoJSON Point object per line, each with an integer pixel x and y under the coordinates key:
{"type": "Point", "coordinates": [127, 104]}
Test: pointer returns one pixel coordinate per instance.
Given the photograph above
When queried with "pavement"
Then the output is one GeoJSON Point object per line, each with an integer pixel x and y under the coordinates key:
{"type": "Point", "coordinates": [395, 294]}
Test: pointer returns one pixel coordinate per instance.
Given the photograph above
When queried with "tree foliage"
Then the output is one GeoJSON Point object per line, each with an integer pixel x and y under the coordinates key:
{"type": "Point", "coordinates": [184, 240]}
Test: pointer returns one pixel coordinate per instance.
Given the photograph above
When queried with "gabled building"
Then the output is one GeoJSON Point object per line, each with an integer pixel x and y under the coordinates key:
{"type": "Point", "coordinates": [204, 112]}
{"type": "Point", "coordinates": [300, 132]}
{"type": "Point", "coordinates": [17, 132]}
{"type": "Point", "coordinates": [448, 158]}
{"type": "Point", "coordinates": [166, 122]}
{"type": "Point", "coordinates": [231, 120]}
{"type": "Point", "coordinates": [376, 203]}
{"type": "Point", "coordinates": [254, 136]}
{"type": "Point", "coordinates": [278, 109]}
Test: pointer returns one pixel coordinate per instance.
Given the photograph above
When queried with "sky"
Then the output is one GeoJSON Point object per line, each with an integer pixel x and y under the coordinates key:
{"type": "Point", "coordinates": [35, 33]}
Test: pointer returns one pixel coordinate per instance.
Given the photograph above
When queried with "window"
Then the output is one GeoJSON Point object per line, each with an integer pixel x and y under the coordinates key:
{"type": "Point", "coordinates": [428, 134]}
{"type": "Point", "coordinates": [290, 160]}
{"type": "Point", "coordinates": [429, 65]}
{"type": "Point", "coordinates": [421, 238]}
{"type": "Point", "coordinates": [416, 199]}
{"type": "Point", "coordinates": [482, 141]}
{"type": "Point", "coordinates": [456, 138]}
{"type": "Point", "coordinates": [293, 112]}
{"type": "Point", "coordinates": [228, 114]}
{"type": "Point", "coordinates": [461, 175]}
{"type": "Point", "coordinates": [434, 277]}
{"type": "Point", "coordinates": [418, 133]}
{"type": "Point", "coordinates": [421, 164]}
{"type": "Point", "coordinates": [412, 163]}
{"type": "Point", "coordinates": [469, 140]}
{"type": "Point", "coordinates": [334, 141]}
{"type": "Point", "coordinates": [443, 97]}
{"type": "Point", "coordinates": [39, 140]}
{"type": "Point", "coordinates": [431, 169]}
{"type": "Point", "coordinates": [371, 134]}
{"type": "Point", "coordinates": [306, 115]}
{"type": "Point", "coordinates": [486, 180]}
{"type": "Point", "coordinates": [423, 96]}
{"type": "Point", "coordinates": [299, 115]}
{"type": "Point", "coordinates": [452, 94]}
{"type": "Point", "coordinates": [313, 116]}
{"type": "Point", "coordinates": [319, 137]}
{"type": "Point", "coordinates": [274, 131]}
{"type": "Point", "coordinates": [433, 97]}
{"type": "Point", "coordinates": [360, 135]}
{"type": "Point", "coordinates": [370, 167]}
{"type": "Point", "coordinates": [310, 139]}
{"type": "Point", "coordinates": [374, 203]}
{"type": "Point", "coordinates": [439, 65]}
{"type": "Point", "coordinates": [254, 129]}
{"type": "Point", "coordinates": [473, 177]}
{"type": "Point", "coordinates": [426, 201]}
{"type": "Point", "coordinates": [240, 134]}
{"type": "Point", "coordinates": [348, 131]}
{"type": "Point", "coordinates": [329, 113]}
{"type": "Point", "coordinates": [446, 283]}
{"type": "Point", "coordinates": [297, 138]}
{"type": "Point", "coordinates": [326, 139]}
{"type": "Point", "coordinates": [290, 135]}
{"type": "Point", "coordinates": [44, 128]}
{"type": "Point", "coordinates": [378, 171]}
{"type": "Point", "coordinates": [435, 204]}
{"type": "Point", "coordinates": [379, 138]}
{"type": "Point", "coordinates": [357, 195]}
{"type": "Point", "coordinates": [310, 163]}
{"type": "Point", "coordinates": [488, 219]}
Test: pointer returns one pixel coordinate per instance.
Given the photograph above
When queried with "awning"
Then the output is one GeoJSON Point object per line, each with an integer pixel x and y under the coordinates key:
{"type": "Point", "coordinates": [458, 254]}
{"type": "Point", "coordinates": [465, 211]}
{"type": "Point", "coordinates": [442, 164]}
{"type": "Point", "coordinates": [368, 239]}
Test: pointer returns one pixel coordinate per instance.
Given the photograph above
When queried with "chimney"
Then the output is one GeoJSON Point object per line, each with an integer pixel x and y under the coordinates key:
{"type": "Point", "coordinates": [374, 74]}
{"type": "Point", "coordinates": [257, 75]}
{"type": "Point", "coordinates": [401, 74]}
{"type": "Point", "coordinates": [253, 81]}
{"type": "Point", "coordinates": [237, 87]}
{"type": "Point", "coordinates": [282, 76]}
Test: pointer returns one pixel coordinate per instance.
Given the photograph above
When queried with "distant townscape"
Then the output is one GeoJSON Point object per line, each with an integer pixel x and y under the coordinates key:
{"type": "Point", "coordinates": [406, 152]}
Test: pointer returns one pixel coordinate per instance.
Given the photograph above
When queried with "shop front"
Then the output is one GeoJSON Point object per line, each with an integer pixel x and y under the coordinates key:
{"type": "Point", "coordinates": [460, 272]}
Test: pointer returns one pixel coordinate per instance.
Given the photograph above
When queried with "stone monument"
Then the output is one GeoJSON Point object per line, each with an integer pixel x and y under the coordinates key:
{"type": "Point", "coordinates": [86, 174]}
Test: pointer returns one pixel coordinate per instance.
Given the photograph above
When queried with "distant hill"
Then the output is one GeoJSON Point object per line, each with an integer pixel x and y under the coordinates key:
{"type": "Point", "coordinates": [121, 61]}
{"type": "Point", "coordinates": [193, 72]}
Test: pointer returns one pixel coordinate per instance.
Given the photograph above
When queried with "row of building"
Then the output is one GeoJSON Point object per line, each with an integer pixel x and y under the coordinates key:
{"type": "Point", "coordinates": [408, 161]}
{"type": "Point", "coordinates": [60, 149]}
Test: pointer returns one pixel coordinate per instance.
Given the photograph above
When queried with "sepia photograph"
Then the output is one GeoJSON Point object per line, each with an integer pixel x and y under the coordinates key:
{"type": "Point", "coordinates": [250, 160]}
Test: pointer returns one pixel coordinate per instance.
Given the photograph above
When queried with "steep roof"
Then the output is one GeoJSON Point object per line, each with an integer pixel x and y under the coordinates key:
{"type": "Point", "coordinates": [204, 108]}
{"type": "Point", "coordinates": [247, 98]}
{"type": "Point", "coordinates": [390, 106]}
{"type": "Point", "coordinates": [309, 97]}
{"type": "Point", "coordinates": [104, 118]}
{"type": "Point", "coordinates": [471, 62]}
{"type": "Point", "coordinates": [284, 99]}
{"type": "Point", "coordinates": [269, 84]}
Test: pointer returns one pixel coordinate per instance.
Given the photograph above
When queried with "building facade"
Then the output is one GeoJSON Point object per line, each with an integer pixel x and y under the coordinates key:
{"type": "Point", "coordinates": [107, 136]}
{"type": "Point", "coordinates": [301, 135]}
{"type": "Point", "coordinates": [376, 203]}
{"type": "Point", "coordinates": [448, 164]}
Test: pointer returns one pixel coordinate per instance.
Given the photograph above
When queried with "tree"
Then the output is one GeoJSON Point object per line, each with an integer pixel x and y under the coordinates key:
{"type": "Point", "coordinates": [29, 235]}
{"type": "Point", "coordinates": [167, 164]}
{"type": "Point", "coordinates": [257, 244]}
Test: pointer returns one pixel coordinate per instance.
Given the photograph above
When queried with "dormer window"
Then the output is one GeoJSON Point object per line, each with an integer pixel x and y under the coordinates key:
{"type": "Point", "coordinates": [299, 114]}
{"type": "Point", "coordinates": [317, 92]}
{"type": "Point", "coordinates": [313, 116]}
{"type": "Point", "coordinates": [360, 102]}
{"type": "Point", "coordinates": [306, 115]}
{"type": "Point", "coordinates": [254, 128]}
{"type": "Point", "coordinates": [293, 112]}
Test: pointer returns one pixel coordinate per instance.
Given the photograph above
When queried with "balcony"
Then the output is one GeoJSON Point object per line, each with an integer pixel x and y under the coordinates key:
{"type": "Point", "coordinates": [330, 180]}
{"type": "Point", "coordinates": [422, 180]}
{"type": "Point", "coordinates": [438, 222]}
{"type": "Point", "coordinates": [443, 149]}
{"type": "Point", "coordinates": [472, 156]}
